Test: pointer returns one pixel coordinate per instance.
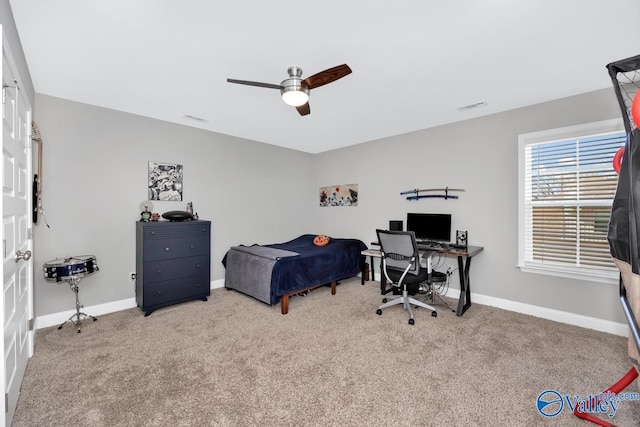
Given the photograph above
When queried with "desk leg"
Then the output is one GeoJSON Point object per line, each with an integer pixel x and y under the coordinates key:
{"type": "Point", "coordinates": [363, 261]}
{"type": "Point", "coordinates": [464, 302]}
{"type": "Point", "coordinates": [373, 276]}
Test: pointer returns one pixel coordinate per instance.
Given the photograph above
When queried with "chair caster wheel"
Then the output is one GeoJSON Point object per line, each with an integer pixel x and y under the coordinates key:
{"type": "Point", "coordinates": [384, 300]}
{"type": "Point", "coordinates": [379, 312]}
{"type": "Point", "coordinates": [434, 313]}
{"type": "Point", "coordinates": [412, 322]}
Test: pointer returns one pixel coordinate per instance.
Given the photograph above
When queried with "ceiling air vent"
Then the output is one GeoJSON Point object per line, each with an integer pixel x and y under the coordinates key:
{"type": "Point", "coordinates": [472, 106]}
{"type": "Point", "coordinates": [195, 119]}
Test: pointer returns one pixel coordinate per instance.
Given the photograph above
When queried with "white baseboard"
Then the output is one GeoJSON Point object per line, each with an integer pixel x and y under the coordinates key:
{"type": "Point", "coordinates": [615, 328]}
{"type": "Point", "coordinates": [94, 310]}
{"type": "Point", "coordinates": [587, 322]}
{"type": "Point", "coordinates": [98, 310]}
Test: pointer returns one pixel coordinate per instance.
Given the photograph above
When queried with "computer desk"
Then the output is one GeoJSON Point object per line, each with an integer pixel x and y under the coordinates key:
{"type": "Point", "coordinates": [464, 264]}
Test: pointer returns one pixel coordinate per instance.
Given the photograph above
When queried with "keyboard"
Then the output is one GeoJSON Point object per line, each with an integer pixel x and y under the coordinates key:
{"type": "Point", "coordinates": [432, 244]}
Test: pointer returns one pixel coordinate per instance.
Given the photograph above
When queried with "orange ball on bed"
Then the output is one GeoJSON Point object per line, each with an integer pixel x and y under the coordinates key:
{"type": "Point", "coordinates": [321, 240]}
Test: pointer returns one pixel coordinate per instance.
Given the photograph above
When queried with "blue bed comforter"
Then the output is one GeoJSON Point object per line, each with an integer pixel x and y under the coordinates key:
{"type": "Point", "coordinates": [314, 265]}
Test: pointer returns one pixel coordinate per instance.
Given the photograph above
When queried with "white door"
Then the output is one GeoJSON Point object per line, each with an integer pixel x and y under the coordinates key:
{"type": "Point", "coordinates": [16, 303]}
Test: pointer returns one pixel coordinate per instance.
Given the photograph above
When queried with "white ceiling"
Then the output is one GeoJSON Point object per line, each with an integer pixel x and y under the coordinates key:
{"type": "Point", "coordinates": [414, 62]}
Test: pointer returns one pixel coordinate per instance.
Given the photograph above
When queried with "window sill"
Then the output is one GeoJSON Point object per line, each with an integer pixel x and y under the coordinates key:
{"type": "Point", "coordinates": [595, 276]}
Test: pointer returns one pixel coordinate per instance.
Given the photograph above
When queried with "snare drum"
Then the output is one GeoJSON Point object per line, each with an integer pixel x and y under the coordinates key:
{"type": "Point", "coordinates": [60, 269]}
{"type": "Point", "coordinates": [90, 263]}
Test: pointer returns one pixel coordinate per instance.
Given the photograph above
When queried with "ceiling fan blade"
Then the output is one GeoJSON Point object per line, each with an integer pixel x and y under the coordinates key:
{"type": "Point", "coordinates": [327, 76]}
{"type": "Point", "coordinates": [304, 109]}
{"type": "Point", "coordinates": [259, 84]}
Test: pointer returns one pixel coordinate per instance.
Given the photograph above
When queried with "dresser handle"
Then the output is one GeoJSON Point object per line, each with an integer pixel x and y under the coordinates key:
{"type": "Point", "coordinates": [159, 271]}
{"type": "Point", "coordinates": [153, 232]}
{"type": "Point", "coordinates": [166, 249]}
{"type": "Point", "coordinates": [191, 246]}
{"type": "Point", "coordinates": [197, 265]}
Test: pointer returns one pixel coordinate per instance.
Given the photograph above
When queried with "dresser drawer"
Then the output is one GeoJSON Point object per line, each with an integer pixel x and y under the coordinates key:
{"type": "Point", "coordinates": [175, 248]}
{"type": "Point", "coordinates": [173, 230]}
{"type": "Point", "coordinates": [163, 270]}
{"type": "Point", "coordinates": [165, 293]}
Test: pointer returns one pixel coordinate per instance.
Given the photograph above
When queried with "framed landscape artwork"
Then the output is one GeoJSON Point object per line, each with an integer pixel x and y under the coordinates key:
{"type": "Point", "coordinates": [339, 195]}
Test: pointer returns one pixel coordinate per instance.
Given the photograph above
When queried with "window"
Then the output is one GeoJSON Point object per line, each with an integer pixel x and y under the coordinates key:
{"type": "Point", "coordinates": [567, 184]}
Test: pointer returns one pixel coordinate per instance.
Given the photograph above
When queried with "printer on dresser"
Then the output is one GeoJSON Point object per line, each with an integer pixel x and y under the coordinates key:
{"type": "Point", "coordinates": [172, 262]}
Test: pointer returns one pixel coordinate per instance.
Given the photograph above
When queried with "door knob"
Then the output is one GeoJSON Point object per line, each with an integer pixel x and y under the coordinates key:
{"type": "Point", "coordinates": [23, 255]}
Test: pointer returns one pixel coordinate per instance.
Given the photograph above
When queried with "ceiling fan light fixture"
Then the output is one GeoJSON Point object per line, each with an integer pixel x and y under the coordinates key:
{"type": "Point", "coordinates": [294, 93]}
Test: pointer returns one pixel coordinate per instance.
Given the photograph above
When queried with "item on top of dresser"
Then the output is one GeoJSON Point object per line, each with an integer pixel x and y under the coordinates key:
{"type": "Point", "coordinates": [177, 215]}
{"type": "Point", "coordinates": [146, 208]}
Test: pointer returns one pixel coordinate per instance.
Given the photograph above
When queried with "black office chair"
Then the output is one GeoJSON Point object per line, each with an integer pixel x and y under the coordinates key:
{"type": "Point", "coordinates": [401, 267]}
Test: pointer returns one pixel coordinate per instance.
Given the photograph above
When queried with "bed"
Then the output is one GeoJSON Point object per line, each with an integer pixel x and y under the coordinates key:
{"type": "Point", "coordinates": [273, 273]}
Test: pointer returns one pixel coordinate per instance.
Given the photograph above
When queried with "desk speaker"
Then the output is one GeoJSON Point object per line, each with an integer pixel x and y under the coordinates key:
{"type": "Point", "coordinates": [462, 237]}
{"type": "Point", "coordinates": [395, 225]}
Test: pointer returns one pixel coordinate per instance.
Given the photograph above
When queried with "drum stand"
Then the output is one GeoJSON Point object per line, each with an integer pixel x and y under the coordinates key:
{"type": "Point", "coordinates": [79, 317]}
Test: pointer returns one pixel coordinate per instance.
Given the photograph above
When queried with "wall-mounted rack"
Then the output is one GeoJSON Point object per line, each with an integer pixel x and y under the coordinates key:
{"type": "Point", "coordinates": [415, 194]}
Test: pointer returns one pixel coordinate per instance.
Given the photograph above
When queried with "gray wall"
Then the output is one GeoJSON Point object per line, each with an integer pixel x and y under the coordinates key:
{"type": "Point", "coordinates": [480, 156]}
{"type": "Point", "coordinates": [95, 177]}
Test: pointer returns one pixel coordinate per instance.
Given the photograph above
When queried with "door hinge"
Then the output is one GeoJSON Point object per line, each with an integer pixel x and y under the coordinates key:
{"type": "Point", "coordinates": [6, 403]}
{"type": "Point", "coordinates": [4, 248]}
{"type": "Point", "coordinates": [31, 324]}
{"type": "Point", "coordinates": [30, 233]}
{"type": "Point", "coordinates": [4, 90]}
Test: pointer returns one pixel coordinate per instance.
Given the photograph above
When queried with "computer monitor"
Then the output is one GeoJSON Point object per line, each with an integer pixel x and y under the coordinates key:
{"type": "Point", "coordinates": [427, 226]}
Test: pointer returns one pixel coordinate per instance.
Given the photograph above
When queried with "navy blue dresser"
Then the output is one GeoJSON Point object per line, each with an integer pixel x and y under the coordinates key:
{"type": "Point", "coordinates": [172, 263]}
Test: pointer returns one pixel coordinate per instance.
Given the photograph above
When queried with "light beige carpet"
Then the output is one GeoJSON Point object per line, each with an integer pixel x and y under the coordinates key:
{"type": "Point", "coordinates": [330, 362]}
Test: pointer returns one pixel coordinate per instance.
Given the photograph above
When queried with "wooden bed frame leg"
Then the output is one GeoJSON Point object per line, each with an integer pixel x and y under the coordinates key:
{"type": "Point", "coordinates": [284, 299]}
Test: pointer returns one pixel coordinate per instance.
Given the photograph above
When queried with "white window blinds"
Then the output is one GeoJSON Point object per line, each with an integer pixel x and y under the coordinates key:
{"type": "Point", "coordinates": [567, 190]}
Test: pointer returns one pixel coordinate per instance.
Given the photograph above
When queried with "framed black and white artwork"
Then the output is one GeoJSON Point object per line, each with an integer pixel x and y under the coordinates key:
{"type": "Point", "coordinates": [165, 181]}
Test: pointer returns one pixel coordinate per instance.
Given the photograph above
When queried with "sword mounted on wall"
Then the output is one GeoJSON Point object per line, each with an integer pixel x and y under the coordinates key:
{"type": "Point", "coordinates": [415, 194]}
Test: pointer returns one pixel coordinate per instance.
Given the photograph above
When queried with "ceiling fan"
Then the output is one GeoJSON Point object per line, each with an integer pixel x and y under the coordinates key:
{"type": "Point", "coordinates": [295, 90]}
